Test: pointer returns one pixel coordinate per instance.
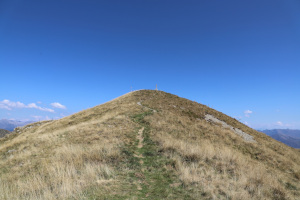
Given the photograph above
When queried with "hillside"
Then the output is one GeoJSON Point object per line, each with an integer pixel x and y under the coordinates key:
{"type": "Point", "coordinates": [286, 136]}
{"type": "Point", "coordinates": [3, 132]}
{"type": "Point", "coordinates": [146, 145]}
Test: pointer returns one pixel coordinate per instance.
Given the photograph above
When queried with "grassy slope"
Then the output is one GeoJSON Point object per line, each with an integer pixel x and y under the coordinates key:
{"type": "Point", "coordinates": [3, 132]}
{"type": "Point", "coordinates": [92, 155]}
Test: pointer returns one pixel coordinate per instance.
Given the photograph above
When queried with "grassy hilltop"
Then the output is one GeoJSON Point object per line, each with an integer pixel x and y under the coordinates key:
{"type": "Point", "coordinates": [146, 145]}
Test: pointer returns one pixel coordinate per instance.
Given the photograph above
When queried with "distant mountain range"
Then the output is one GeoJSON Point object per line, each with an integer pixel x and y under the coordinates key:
{"type": "Point", "coordinates": [287, 136]}
{"type": "Point", "coordinates": [9, 125]}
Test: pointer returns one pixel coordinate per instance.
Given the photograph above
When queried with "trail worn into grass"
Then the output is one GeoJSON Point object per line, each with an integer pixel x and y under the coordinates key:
{"type": "Point", "coordinates": [151, 175]}
{"type": "Point", "coordinates": [140, 156]}
{"type": "Point", "coordinates": [140, 138]}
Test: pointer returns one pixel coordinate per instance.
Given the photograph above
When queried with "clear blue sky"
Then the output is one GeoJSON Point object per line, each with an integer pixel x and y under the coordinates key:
{"type": "Point", "coordinates": [239, 57]}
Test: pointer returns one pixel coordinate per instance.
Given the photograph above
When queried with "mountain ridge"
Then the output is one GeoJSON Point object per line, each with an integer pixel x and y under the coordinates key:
{"type": "Point", "coordinates": [146, 145]}
{"type": "Point", "coordinates": [295, 133]}
{"type": "Point", "coordinates": [289, 137]}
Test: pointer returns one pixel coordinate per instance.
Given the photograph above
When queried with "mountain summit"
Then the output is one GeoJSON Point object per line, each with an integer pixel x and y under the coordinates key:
{"type": "Point", "coordinates": [146, 145]}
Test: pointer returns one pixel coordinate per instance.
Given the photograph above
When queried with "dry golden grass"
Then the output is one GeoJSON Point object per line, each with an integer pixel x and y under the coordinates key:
{"type": "Point", "coordinates": [219, 163]}
{"type": "Point", "coordinates": [64, 159]}
{"type": "Point", "coordinates": [219, 172]}
{"type": "Point", "coordinates": [61, 159]}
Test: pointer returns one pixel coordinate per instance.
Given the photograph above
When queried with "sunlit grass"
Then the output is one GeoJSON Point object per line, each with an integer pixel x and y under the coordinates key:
{"type": "Point", "coordinates": [90, 155]}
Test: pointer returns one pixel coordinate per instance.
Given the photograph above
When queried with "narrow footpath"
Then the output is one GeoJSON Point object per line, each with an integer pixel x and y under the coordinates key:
{"type": "Point", "coordinates": [139, 155]}
{"type": "Point", "coordinates": [151, 177]}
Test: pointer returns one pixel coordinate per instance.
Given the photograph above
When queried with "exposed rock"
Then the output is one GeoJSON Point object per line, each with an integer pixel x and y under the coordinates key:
{"type": "Point", "coordinates": [239, 132]}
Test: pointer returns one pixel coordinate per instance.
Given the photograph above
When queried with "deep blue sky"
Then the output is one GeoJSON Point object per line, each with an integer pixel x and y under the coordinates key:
{"type": "Point", "coordinates": [235, 56]}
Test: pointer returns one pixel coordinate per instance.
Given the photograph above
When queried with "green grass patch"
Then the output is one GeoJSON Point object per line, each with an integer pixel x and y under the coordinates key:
{"type": "Point", "coordinates": [150, 172]}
